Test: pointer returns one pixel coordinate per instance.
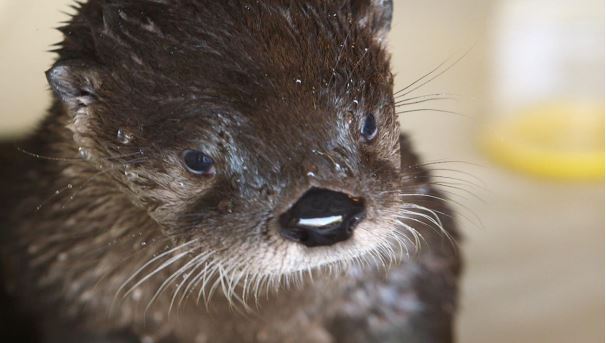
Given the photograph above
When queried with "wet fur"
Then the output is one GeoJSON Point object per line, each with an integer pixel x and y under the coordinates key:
{"type": "Point", "coordinates": [274, 91]}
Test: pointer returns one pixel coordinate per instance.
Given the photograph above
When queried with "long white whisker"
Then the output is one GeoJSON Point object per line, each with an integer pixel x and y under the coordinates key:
{"type": "Point", "coordinates": [156, 271]}
{"type": "Point", "coordinates": [138, 271]}
{"type": "Point", "coordinates": [192, 264]}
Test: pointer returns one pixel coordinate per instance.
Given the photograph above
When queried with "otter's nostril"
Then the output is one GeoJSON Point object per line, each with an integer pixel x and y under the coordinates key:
{"type": "Point", "coordinates": [322, 217]}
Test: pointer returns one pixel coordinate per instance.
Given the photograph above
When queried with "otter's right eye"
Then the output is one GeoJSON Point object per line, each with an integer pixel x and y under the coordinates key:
{"type": "Point", "coordinates": [198, 162]}
{"type": "Point", "coordinates": [369, 129]}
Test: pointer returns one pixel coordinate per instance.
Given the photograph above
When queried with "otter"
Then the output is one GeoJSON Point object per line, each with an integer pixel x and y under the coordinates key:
{"type": "Point", "coordinates": [224, 171]}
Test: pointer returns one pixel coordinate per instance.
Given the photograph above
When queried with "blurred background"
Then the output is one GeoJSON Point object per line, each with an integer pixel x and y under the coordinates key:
{"type": "Point", "coordinates": [514, 132]}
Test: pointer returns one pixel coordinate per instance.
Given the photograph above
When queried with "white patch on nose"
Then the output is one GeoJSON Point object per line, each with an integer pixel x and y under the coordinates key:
{"type": "Point", "coordinates": [319, 222]}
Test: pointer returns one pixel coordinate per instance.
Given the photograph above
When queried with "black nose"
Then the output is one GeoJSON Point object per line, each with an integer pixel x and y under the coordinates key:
{"type": "Point", "coordinates": [322, 217]}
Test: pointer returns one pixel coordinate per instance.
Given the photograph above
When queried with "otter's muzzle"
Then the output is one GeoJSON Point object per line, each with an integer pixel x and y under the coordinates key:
{"type": "Point", "coordinates": [322, 217]}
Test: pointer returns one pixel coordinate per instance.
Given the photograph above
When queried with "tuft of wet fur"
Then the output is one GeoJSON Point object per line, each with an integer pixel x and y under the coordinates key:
{"type": "Point", "coordinates": [112, 237]}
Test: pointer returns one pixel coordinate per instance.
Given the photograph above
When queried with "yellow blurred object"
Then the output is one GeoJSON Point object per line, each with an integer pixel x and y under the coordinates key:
{"type": "Point", "coordinates": [555, 141]}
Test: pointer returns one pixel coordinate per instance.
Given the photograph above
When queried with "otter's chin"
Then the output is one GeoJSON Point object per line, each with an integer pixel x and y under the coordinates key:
{"type": "Point", "coordinates": [370, 245]}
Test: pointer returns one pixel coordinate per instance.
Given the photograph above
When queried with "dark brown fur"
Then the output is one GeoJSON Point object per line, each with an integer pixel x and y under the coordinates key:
{"type": "Point", "coordinates": [276, 92]}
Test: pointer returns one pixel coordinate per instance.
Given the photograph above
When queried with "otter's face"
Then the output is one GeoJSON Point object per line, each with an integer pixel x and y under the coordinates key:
{"type": "Point", "coordinates": [264, 137]}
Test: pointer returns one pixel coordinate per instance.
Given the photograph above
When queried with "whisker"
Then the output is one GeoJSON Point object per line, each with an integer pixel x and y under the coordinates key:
{"type": "Point", "coordinates": [434, 110]}
{"type": "Point", "coordinates": [448, 68]}
{"type": "Point", "coordinates": [194, 262]}
{"type": "Point", "coordinates": [459, 188]}
{"type": "Point", "coordinates": [450, 162]}
{"type": "Point", "coordinates": [201, 263]}
{"type": "Point", "coordinates": [72, 159]}
{"type": "Point", "coordinates": [127, 258]}
{"type": "Point", "coordinates": [461, 172]}
{"type": "Point", "coordinates": [478, 221]}
{"type": "Point", "coordinates": [421, 78]}
{"type": "Point", "coordinates": [415, 235]}
{"type": "Point", "coordinates": [80, 187]}
{"type": "Point", "coordinates": [452, 96]}
{"type": "Point", "coordinates": [156, 271]}
{"type": "Point", "coordinates": [462, 181]}
{"type": "Point", "coordinates": [434, 224]}
{"type": "Point", "coordinates": [138, 271]}
{"type": "Point", "coordinates": [93, 177]}
{"type": "Point", "coordinates": [403, 103]}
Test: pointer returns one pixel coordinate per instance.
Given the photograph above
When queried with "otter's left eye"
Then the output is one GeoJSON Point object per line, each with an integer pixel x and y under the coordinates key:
{"type": "Point", "coordinates": [369, 128]}
{"type": "Point", "coordinates": [198, 162]}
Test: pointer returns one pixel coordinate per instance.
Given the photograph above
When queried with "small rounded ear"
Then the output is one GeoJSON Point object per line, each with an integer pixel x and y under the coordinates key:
{"type": "Point", "coordinates": [75, 82]}
{"type": "Point", "coordinates": [384, 8]}
{"type": "Point", "coordinates": [377, 14]}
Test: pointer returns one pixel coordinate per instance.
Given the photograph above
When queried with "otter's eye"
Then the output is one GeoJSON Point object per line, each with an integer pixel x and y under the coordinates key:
{"type": "Point", "coordinates": [369, 128]}
{"type": "Point", "coordinates": [198, 162]}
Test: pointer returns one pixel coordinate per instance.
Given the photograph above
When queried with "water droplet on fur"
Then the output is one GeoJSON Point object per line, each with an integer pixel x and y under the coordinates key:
{"type": "Point", "coordinates": [266, 191]}
{"type": "Point", "coordinates": [137, 294]}
{"type": "Point", "coordinates": [32, 249]}
{"type": "Point", "coordinates": [356, 102]}
{"type": "Point", "coordinates": [130, 175]}
{"type": "Point", "coordinates": [123, 137]}
{"type": "Point", "coordinates": [225, 206]}
{"type": "Point", "coordinates": [122, 14]}
{"type": "Point", "coordinates": [157, 316]}
{"type": "Point", "coordinates": [423, 189]}
{"type": "Point", "coordinates": [349, 117]}
{"type": "Point", "coordinates": [144, 243]}
{"type": "Point", "coordinates": [84, 154]}
{"type": "Point", "coordinates": [299, 81]}
{"type": "Point", "coordinates": [57, 192]}
{"type": "Point", "coordinates": [311, 174]}
{"type": "Point", "coordinates": [70, 186]}
{"type": "Point", "coordinates": [340, 170]}
{"type": "Point", "coordinates": [201, 338]}
{"type": "Point", "coordinates": [86, 296]}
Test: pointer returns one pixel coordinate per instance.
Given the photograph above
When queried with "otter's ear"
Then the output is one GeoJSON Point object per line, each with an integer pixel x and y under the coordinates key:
{"type": "Point", "coordinates": [376, 14]}
{"type": "Point", "coordinates": [76, 83]}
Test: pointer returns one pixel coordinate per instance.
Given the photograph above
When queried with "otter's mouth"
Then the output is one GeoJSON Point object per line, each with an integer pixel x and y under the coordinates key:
{"type": "Point", "coordinates": [322, 217]}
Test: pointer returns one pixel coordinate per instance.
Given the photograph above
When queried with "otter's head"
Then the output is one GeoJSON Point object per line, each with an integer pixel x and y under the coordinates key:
{"type": "Point", "coordinates": [262, 135]}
